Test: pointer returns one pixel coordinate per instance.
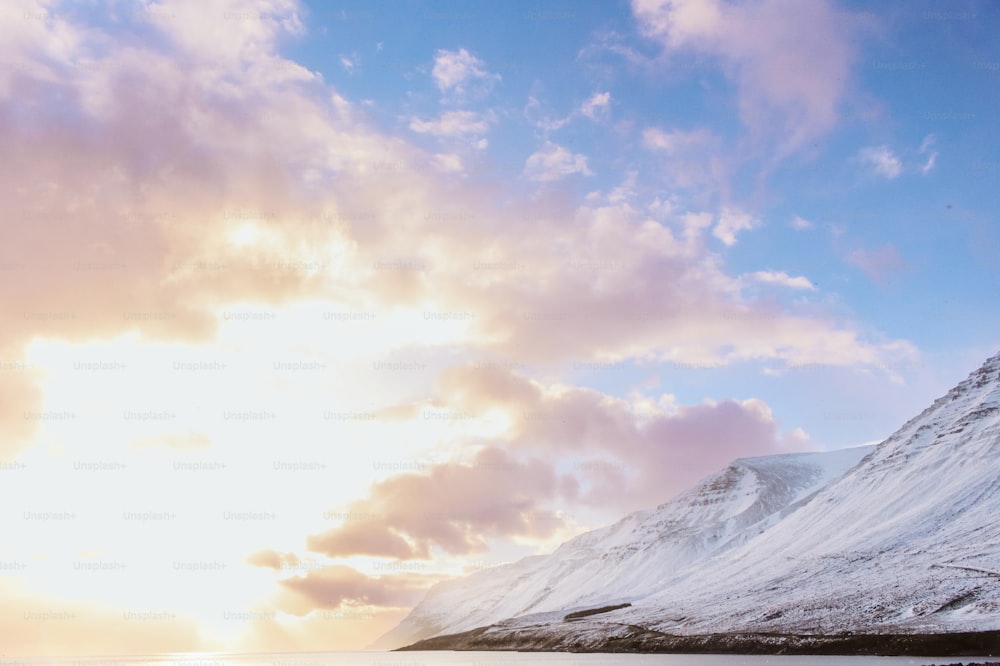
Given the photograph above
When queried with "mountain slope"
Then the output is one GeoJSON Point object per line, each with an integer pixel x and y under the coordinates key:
{"type": "Point", "coordinates": [906, 542]}
{"type": "Point", "coordinates": [643, 551]}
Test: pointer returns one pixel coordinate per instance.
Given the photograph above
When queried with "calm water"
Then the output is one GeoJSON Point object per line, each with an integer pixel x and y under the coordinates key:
{"type": "Point", "coordinates": [473, 659]}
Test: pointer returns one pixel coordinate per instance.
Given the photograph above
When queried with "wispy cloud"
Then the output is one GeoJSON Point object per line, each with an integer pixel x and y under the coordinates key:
{"type": "Point", "coordinates": [731, 222]}
{"type": "Point", "coordinates": [453, 123]}
{"type": "Point", "coordinates": [882, 161]}
{"type": "Point", "coordinates": [926, 149]}
{"type": "Point", "coordinates": [801, 224]}
{"type": "Point", "coordinates": [461, 73]}
{"type": "Point", "coordinates": [554, 162]}
{"type": "Point", "coordinates": [596, 105]}
{"type": "Point", "coordinates": [783, 279]}
{"type": "Point", "coordinates": [453, 506]}
{"type": "Point", "coordinates": [789, 91]}
{"type": "Point", "coordinates": [885, 162]}
{"type": "Point", "coordinates": [881, 264]}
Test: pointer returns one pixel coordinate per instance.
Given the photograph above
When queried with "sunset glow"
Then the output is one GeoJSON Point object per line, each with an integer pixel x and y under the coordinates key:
{"type": "Point", "coordinates": [309, 305]}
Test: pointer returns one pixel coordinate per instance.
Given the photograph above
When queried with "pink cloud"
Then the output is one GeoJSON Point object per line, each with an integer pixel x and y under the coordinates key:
{"type": "Point", "coordinates": [652, 455]}
{"type": "Point", "coordinates": [459, 72]}
{"type": "Point", "coordinates": [335, 586]}
{"type": "Point", "coordinates": [788, 90]}
{"type": "Point", "coordinates": [363, 538]}
{"type": "Point", "coordinates": [166, 156]}
{"type": "Point", "coordinates": [586, 449]}
{"type": "Point", "coordinates": [881, 264]}
{"type": "Point", "coordinates": [453, 506]}
{"type": "Point", "coordinates": [272, 559]}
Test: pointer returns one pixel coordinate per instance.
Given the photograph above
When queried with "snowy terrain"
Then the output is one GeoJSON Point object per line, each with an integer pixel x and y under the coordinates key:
{"type": "Point", "coordinates": [906, 540]}
{"type": "Point", "coordinates": [645, 550]}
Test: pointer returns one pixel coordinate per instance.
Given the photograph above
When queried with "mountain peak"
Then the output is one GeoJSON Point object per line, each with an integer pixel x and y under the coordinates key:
{"type": "Point", "coordinates": [902, 539]}
{"type": "Point", "coordinates": [646, 548]}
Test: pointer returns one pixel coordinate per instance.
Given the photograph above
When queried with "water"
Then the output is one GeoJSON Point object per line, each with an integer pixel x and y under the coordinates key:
{"type": "Point", "coordinates": [474, 659]}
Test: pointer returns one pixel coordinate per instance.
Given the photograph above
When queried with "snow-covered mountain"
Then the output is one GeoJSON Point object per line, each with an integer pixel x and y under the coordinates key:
{"type": "Point", "coordinates": [906, 541]}
{"type": "Point", "coordinates": [642, 552]}
{"type": "Point", "coordinates": [909, 540]}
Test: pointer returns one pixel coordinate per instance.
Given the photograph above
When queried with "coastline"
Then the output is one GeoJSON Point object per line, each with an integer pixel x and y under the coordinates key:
{"type": "Point", "coordinates": [635, 639]}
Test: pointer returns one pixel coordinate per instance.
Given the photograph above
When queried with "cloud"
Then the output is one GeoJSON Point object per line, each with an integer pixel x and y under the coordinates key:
{"type": "Point", "coordinates": [452, 123]}
{"type": "Point", "coordinates": [783, 279]}
{"type": "Point", "coordinates": [553, 162]}
{"type": "Point", "coordinates": [223, 161]}
{"type": "Point", "coordinates": [652, 450]}
{"type": "Point", "coordinates": [801, 224]}
{"type": "Point", "coordinates": [350, 63]}
{"type": "Point", "coordinates": [691, 158]}
{"type": "Point", "coordinates": [882, 161]}
{"type": "Point", "coordinates": [562, 449]}
{"type": "Point", "coordinates": [461, 72]}
{"type": "Point", "coordinates": [337, 586]}
{"type": "Point", "coordinates": [272, 559]}
{"type": "Point", "coordinates": [880, 264]}
{"type": "Point", "coordinates": [191, 175]}
{"type": "Point", "coordinates": [453, 506]}
{"type": "Point", "coordinates": [925, 149]}
{"type": "Point", "coordinates": [362, 538]}
{"type": "Point", "coordinates": [928, 166]}
{"type": "Point", "coordinates": [448, 162]}
{"type": "Point", "coordinates": [596, 105]}
{"type": "Point", "coordinates": [172, 110]}
{"type": "Point", "coordinates": [731, 222]}
{"type": "Point", "coordinates": [788, 90]}
{"type": "Point", "coordinates": [675, 141]}
{"type": "Point", "coordinates": [595, 108]}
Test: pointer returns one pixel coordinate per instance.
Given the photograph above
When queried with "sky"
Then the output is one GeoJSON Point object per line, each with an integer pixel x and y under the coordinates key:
{"type": "Point", "coordinates": [307, 306]}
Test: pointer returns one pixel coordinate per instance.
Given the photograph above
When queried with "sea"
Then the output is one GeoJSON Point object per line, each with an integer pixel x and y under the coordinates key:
{"type": "Point", "coordinates": [475, 659]}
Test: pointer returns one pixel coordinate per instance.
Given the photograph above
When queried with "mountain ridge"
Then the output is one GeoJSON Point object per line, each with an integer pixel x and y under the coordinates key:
{"type": "Point", "coordinates": [724, 510]}
{"type": "Point", "coordinates": [902, 543]}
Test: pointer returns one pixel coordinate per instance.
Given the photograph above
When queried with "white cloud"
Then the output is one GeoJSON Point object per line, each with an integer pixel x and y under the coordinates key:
{"type": "Point", "coordinates": [929, 164]}
{"type": "Point", "coordinates": [595, 105]}
{"type": "Point", "coordinates": [454, 71]}
{"type": "Point", "coordinates": [448, 162]}
{"type": "Point", "coordinates": [731, 222]}
{"type": "Point", "coordinates": [882, 160]}
{"type": "Point", "coordinates": [452, 123]}
{"type": "Point", "coordinates": [554, 162]}
{"type": "Point", "coordinates": [881, 264]}
{"type": "Point", "coordinates": [694, 223]}
{"type": "Point", "coordinates": [788, 89]}
{"type": "Point", "coordinates": [693, 158]}
{"type": "Point", "coordinates": [801, 224]}
{"type": "Point", "coordinates": [350, 63]}
{"type": "Point", "coordinates": [675, 141]}
{"type": "Point", "coordinates": [783, 279]}
{"type": "Point", "coordinates": [925, 148]}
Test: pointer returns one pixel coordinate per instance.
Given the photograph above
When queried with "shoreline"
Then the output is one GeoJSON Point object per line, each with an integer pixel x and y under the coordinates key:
{"type": "Point", "coordinates": [635, 639]}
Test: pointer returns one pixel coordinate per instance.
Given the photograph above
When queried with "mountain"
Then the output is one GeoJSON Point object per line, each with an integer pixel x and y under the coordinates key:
{"type": "Point", "coordinates": [901, 553]}
{"type": "Point", "coordinates": [643, 551]}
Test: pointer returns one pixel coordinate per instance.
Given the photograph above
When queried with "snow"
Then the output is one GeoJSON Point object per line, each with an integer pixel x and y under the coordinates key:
{"type": "Point", "coordinates": [640, 553]}
{"type": "Point", "coordinates": [902, 537]}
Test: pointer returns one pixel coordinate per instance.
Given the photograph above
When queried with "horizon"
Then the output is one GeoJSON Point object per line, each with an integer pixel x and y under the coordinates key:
{"type": "Point", "coordinates": [310, 307]}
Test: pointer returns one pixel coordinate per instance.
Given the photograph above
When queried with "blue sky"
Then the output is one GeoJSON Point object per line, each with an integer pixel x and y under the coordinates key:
{"type": "Point", "coordinates": [903, 253]}
{"type": "Point", "coordinates": [412, 288]}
